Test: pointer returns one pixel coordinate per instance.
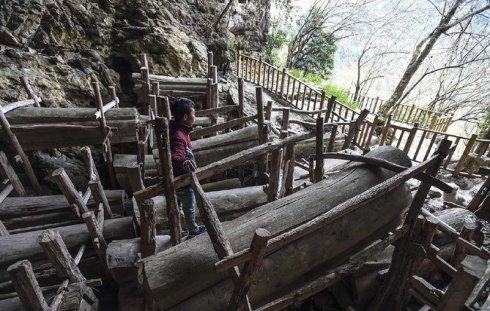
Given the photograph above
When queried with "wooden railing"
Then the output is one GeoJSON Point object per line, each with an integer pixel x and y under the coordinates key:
{"type": "Point", "coordinates": [418, 140]}
{"type": "Point", "coordinates": [407, 113]}
{"type": "Point", "coordinates": [419, 143]}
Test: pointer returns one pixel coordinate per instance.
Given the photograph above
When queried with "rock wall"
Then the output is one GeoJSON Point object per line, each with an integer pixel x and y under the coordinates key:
{"type": "Point", "coordinates": [61, 44]}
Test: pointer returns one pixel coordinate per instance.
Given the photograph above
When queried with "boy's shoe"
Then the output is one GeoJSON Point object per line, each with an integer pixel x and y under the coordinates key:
{"type": "Point", "coordinates": [197, 231]}
{"type": "Point", "coordinates": [184, 233]}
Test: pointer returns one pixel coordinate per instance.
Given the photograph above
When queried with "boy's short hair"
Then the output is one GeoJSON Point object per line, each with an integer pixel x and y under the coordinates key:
{"type": "Point", "coordinates": [180, 107]}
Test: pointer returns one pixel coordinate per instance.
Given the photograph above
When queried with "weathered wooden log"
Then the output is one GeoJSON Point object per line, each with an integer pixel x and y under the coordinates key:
{"type": "Point", "coordinates": [34, 115]}
{"type": "Point", "coordinates": [46, 136]}
{"type": "Point", "coordinates": [122, 256]}
{"type": "Point", "coordinates": [228, 203]}
{"type": "Point", "coordinates": [209, 290]}
{"type": "Point", "coordinates": [25, 246]}
{"type": "Point", "coordinates": [31, 206]}
{"type": "Point", "coordinates": [246, 134]}
{"type": "Point", "coordinates": [224, 184]}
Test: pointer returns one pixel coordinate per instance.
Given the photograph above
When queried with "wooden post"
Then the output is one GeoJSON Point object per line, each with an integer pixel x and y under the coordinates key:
{"type": "Point", "coordinates": [466, 233]}
{"type": "Point", "coordinates": [462, 161]}
{"type": "Point", "coordinates": [163, 142]}
{"type": "Point", "coordinates": [275, 172]}
{"type": "Point", "coordinates": [371, 132]}
{"type": "Point", "coordinates": [210, 219]}
{"type": "Point", "coordinates": [333, 135]}
{"type": "Point", "coordinates": [322, 104]}
{"type": "Point", "coordinates": [209, 93]}
{"type": "Point", "coordinates": [354, 128]}
{"type": "Point", "coordinates": [319, 171]}
{"type": "Point", "coordinates": [14, 143]}
{"type": "Point", "coordinates": [210, 63]}
{"type": "Point", "coordinates": [392, 294]}
{"type": "Point", "coordinates": [148, 229]}
{"type": "Point", "coordinates": [238, 63]}
{"type": "Point", "coordinates": [105, 131]}
{"type": "Point", "coordinates": [94, 183]}
{"type": "Point", "coordinates": [258, 248]}
{"type": "Point", "coordinates": [98, 240]}
{"type": "Point", "coordinates": [112, 93]}
{"type": "Point", "coordinates": [215, 93]}
{"type": "Point", "coordinates": [268, 111]}
{"type": "Point", "coordinates": [282, 82]}
{"type": "Point", "coordinates": [32, 95]}
{"type": "Point", "coordinates": [9, 173]}
{"type": "Point", "coordinates": [384, 131]}
{"type": "Point", "coordinates": [462, 285]}
{"type": "Point", "coordinates": [330, 104]}
{"type": "Point", "coordinates": [3, 230]}
{"type": "Point", "coordinates": [27, 287]}
{"type": "Point", "coordinates": [259, 75]}
{"type": "Point", "coordinates": [68, 189]}
{"type": "Point", "coordinates": [262, 161]}
{"type": "Point", "coordinates": [410, 138]}
{"type": "Point", "coordinates": [241, 96]}
{"type": "Point", "coordinates": [479, 196]}
{"type": "Point", "coordinates": [58, 255]}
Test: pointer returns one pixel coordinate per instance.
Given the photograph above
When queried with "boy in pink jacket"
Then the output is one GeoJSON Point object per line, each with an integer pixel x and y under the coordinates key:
{"type": "Point", "coordinates": [183, 160]}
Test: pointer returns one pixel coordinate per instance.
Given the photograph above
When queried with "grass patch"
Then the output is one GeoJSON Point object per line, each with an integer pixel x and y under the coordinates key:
{"type": "Point", "coordinates": [330, 90]}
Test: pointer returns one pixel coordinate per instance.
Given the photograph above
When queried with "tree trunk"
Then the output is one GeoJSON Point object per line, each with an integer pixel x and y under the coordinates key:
{"type": "Point", "coordinates": [193, 260]}
{"type": "Point", "coordinates": [418, 57]}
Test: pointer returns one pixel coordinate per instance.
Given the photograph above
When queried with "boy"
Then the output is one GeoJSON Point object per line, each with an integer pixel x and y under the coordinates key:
{"type": "Point", "coordinates": [183, 160]}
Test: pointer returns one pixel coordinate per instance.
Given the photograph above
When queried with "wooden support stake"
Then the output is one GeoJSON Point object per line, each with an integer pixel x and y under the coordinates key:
{"type": "Point", "coordinates": [462, 161]}
{"type": "Point", "coordinates": [241, 96]}
{"type": "Point", "coordinates": [95, 232]}
{"type": "Point", "coordinates": [14, 143]}
{"type": "Point", "coordinates": [27, 86]}
{"type": "Point", "coordinates": [354, 129]}
{"type": "Point", "coordinates": [274, 178]}
{"type": "Point", "coordinates": [330, 105]}
{"type": "Point", "coordinates": [27, 287]}
{"type": "Point", "coordinates": [58, 255]}
{"type": "Point", "coordinates": [410, 138]}
{"type": "Point", "coordinates": [221, 244]}
{"type": "Point", "coordinates": [94, 183]}
{"type": "Point", "coordinates": [148, 229]}
{"type": "Point", "coordinates": [163, 142]}
{"type": "Point", "coordinates": [112, 93]}
{"type": "Point", "coordinates": [105, 131]}
{"type": "Point", "coordinates": [333, 135]}
{"type": "Point", "coordinates": [384, 132]}
{"type": "Point", "coordinates": [257, 247]}
{"type": "Point", "coordinates": [268, 111]}
{"type": "Point", "coordinates": [68, 189]}
{"type": "Point", "coordinates": [393, 293]}
{"type": "Point", "coordinates": [462, 285]}
{"type": "Point", "coordinates": [319, 170]}
{"type": "Point", "coordinates": [3, 230]}
{"type": "Point", "coordinates": [9, 173]}
{"type": "Point", "coordinates": [466, 233]}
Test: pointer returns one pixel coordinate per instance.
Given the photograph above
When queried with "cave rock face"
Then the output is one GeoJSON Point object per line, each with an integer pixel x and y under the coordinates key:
{"type": "Point", "coordinates": [61, 44]}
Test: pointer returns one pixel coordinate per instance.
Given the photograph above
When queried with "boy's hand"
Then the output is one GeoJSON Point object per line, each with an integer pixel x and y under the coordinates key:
{"type": "Point", "coordinates": [190, 166]}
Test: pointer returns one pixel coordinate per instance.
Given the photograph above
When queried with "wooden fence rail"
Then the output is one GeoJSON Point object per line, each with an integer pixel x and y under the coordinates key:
{"type": "Point", "coordinates": [406, 113]}
{"type": "Point", "coordinates": [418, 139]}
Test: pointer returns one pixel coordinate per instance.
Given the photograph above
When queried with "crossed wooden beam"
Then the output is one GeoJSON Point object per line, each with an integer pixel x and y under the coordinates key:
{"type": "Point", "coordinates": [28, 289]}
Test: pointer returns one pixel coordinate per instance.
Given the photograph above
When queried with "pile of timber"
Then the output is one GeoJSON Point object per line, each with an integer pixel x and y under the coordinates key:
{"type": "Point", "coordinates": [22, 214]}
{"type": "Point", "coordinates": [43, 128]}
{"type": "Point", "coordinates": [207, 289]}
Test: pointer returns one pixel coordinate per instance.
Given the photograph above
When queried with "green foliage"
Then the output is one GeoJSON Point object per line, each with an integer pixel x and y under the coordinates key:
{"type": "Point", "coordinates": [317, 56]}
{"type": "Point", "coordinates": [341, 94]}
{"type": "Point", "coordinates": [485, 124]}
{"type": "Point", "coordinates": [277, 39]}
{"type": "Point", "coordinates": [312, 78]}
